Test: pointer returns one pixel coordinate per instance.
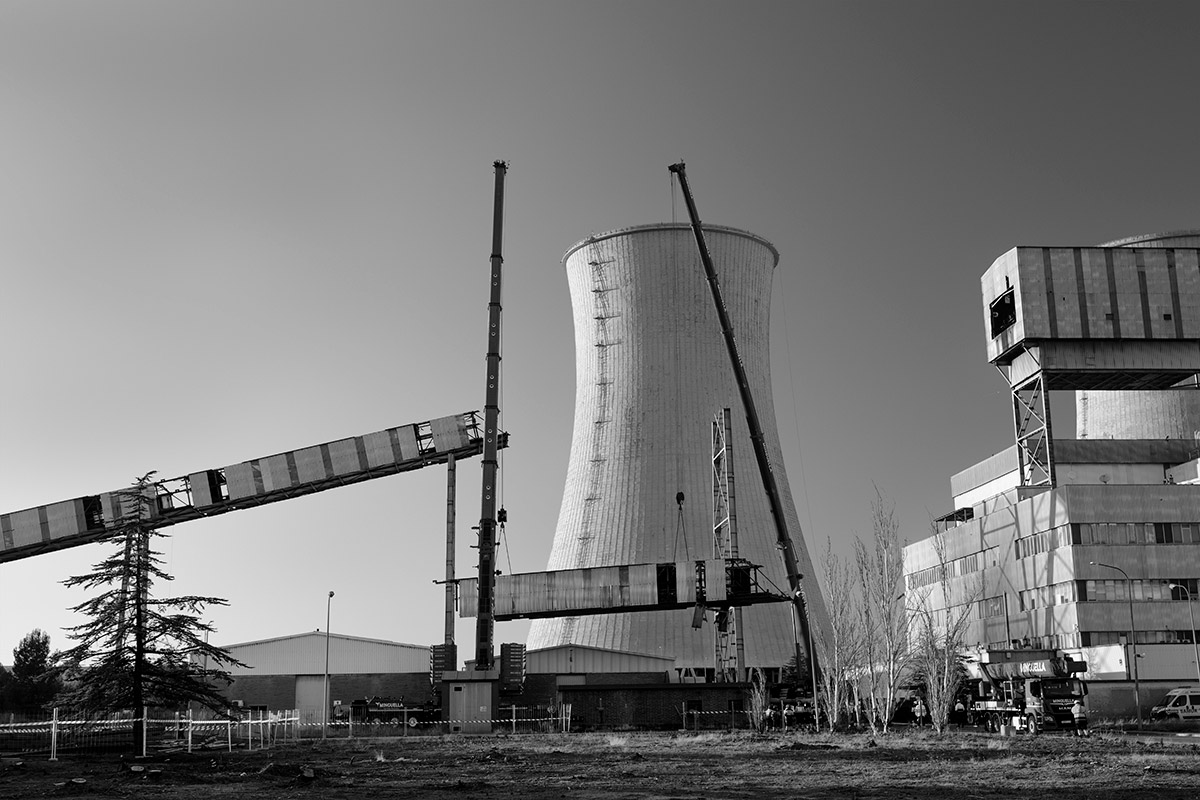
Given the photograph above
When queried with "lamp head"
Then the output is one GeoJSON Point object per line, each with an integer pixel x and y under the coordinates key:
{"type": "Point", "coordinates": [331, 593]}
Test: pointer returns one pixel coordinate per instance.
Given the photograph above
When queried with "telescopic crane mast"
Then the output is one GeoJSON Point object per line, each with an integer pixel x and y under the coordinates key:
{"type": "Point", "coordinates": [485, 624]}
{"type": "Point", "coordinates": [757, 439]}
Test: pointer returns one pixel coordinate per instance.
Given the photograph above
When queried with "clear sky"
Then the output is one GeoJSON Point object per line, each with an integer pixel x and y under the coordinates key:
{"type": "Point", "coordinates": [230, 229]}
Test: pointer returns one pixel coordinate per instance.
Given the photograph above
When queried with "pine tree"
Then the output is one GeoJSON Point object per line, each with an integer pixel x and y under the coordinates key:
{"type": "Point", "coordinates": [133, 650]}
{"type": "Point", "coordinates": [32, 683]}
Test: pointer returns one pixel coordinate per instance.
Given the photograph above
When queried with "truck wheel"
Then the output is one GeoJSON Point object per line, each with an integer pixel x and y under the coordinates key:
{"type": "Point", "coordinates": [993, 723]}
{"type": "Point", "coordinates": [1031, 723]}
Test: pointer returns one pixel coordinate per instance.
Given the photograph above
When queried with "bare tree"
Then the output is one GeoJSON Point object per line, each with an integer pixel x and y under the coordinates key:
{"type": "Point", "coordinates": [940, 635]}
{"type": "Point", "coordinates": [839, 647]}
{"type": "Point", "coordinates": [886, 652]}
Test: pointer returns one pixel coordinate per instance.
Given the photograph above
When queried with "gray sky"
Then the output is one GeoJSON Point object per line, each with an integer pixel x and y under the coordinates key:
{"type": "Point", "coordinates": [230, 229]}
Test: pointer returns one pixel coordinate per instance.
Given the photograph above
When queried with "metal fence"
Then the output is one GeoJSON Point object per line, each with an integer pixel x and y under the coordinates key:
{"type": "Point", "coordinates": [54, 733]}
{"type": "Point", "coordinates": [414, 722]}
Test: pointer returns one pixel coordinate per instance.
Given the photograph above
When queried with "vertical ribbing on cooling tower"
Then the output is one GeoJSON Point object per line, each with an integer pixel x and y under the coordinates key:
{"type": "Point", "coordinates": [651, 371]}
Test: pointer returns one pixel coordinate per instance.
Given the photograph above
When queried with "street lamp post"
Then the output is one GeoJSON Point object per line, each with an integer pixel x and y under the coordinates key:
{"type": "Point", "coordinates": [1192, 617]}
{"type": "Point", "coordinates": [1137, 695]}
{"type": "Point", "coordinates": [325, 710]}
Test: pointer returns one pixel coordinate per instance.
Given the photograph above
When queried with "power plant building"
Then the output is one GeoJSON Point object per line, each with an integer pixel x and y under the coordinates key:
{"type": "Point", "coordinates": [652, 376]}
{"type": "Point", "coordinates": [1088, 544]}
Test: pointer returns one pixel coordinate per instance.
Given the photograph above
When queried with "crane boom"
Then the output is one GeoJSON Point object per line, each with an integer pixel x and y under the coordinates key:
{"type": "Point", "coordinates": [485, 625]}
{"type": "Point", "coordinates": [757, 439]}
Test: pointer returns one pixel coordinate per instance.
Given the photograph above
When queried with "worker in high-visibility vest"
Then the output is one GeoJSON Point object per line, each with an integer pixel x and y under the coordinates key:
{"type": "Point", "coordinates": [1080, 715]}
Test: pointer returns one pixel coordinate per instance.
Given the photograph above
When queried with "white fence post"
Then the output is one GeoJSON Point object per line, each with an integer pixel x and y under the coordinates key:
{"type": "Point", "coordinates": [513, 708]}
{"type": "Point", "coordinates": [229, 733]}
{"type": "Point", "coordinates": [54, 735]}
{"type": "Point", "coordinates": [189, 732]}
{"type": "Point", "coordinates": [145, 729]}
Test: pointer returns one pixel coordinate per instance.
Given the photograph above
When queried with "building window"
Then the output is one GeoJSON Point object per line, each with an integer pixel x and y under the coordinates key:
{"type": "Point", "coordinates": [1003, 312]}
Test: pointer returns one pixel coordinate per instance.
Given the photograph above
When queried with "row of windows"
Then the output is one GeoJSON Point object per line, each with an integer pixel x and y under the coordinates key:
{"type": "Point", "coordinates": [1043, 596]}
{"type": "Point", "coordinates": [1143, 590]}
{"type": "Point", "coordinates": [1043, 542]}
{"type": "Point", "coordinates": [1097, 638]}
{"type": "Point", "coordinates": [1156, 590]}
{"type": "Point", "coordinates": [1066, 641]}
{"type": "Point", "coordinates": [954, 569]}
{"type": "Point", "coordinates": [1135, 533]}
{"type": "Point", "coordinates": [1050, 641]}
{"type": "Point", "coordinates": [1108, 533]}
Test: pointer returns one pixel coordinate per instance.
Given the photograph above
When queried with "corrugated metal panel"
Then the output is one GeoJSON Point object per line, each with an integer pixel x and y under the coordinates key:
{"type": "Point", "coordinates": [1128, 451]}
{"type": "Point", "coordinates": [65, 518]}
{"type": "Point", "coordinates": [989, 469]}
{"type": "Point", "coordinates": [685, 581]}
{"type": "Point", "coordinates": [643, 584]}
{"type": "Point", "coordinates": [110, 506]}
{"type": "Point", "coordinates": [201, 494]}
{"type": "Point", "coordinates": [566, 659]}
{"type": "Point", "coordinates": [275, 473]}
{"type": "Point", "coordinates": [239, 479]}
{"type": "Point", "coordinates": [305, 655]}
{"type": "Point", "coordinates": [407, 437]}
{"type": "Point", "coordinates": [344, 456]}
{"type": "Point", "coordinates": [468, 596]}
{"type": "Point", "coordinates": [310, 465]}
{"type": "Point", "coordinates": [26, 527]}
{"type": "Point", "coordinates": [449, 433]}
{"type": "Point", "coordinates": [379, 449]}
{"type": "Point", "coordinates": [714, 579]}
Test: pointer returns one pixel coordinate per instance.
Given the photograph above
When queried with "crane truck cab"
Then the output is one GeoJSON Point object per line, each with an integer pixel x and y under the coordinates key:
{"type": "Point", "coordinates": [1031, 690]}
{"type": "Point", "coordinates": [1180, 703]}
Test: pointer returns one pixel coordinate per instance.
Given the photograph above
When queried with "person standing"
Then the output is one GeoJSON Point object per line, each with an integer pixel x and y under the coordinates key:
{"type": "Point", "coordinates": [960, 713]}
{"type": "Point", "coordinates": [919, 712]}
{"type": "Point", "coordinates": [1079, 714]}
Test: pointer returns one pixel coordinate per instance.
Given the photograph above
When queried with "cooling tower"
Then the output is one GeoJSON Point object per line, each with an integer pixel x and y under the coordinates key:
{"type": "Point", "coordinates": [1171, 414]}
{"type": "Point", "coordinates": [652, 371]}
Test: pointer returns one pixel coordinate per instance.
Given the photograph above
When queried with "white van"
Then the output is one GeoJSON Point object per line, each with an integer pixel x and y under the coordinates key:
{"type": "Point", "coordinates": [1181, 703]}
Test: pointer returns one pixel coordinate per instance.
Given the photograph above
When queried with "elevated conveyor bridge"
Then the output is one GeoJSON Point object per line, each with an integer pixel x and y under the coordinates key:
{"type": "Point", "coordinates": [246, 484]}
{"type": "Point", "coordinates": [718, 584]}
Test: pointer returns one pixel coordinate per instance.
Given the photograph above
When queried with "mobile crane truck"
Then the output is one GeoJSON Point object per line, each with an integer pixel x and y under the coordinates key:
{"type": "Point", "coordinates": [1030, 690]}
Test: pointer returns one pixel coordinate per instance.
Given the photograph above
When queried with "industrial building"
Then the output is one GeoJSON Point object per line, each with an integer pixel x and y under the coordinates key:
{"type": "Point", "coordinates": [289, 672]}
{"type": "Point", "coordinates": [1088, 544]}
{"type": "Point", "coordinates": [652, 377]}
{"type": "Point", "coordinates": [606, 688]}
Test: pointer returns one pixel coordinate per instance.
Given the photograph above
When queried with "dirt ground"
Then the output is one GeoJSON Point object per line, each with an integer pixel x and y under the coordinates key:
{"type": "Point", "coordinates": [593, 766]}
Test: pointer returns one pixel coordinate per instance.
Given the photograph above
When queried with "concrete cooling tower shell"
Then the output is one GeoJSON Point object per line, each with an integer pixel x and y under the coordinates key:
{"type": "Point", "coordinates": [652, 371]}
{"type": "Point", "coordinates": [1172, 414]}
